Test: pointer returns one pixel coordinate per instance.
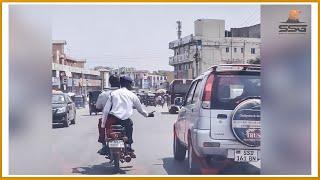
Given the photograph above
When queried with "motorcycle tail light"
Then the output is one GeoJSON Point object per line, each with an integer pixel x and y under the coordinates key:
{"type": "Point", "coordinates": [114, 135]}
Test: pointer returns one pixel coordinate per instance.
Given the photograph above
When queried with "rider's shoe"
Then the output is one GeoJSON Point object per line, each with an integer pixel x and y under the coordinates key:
{"type": "Point", "coordinates": [103, 151]}
{"type": "Point", "coordinates": [132, 155]}
{"type": "Point", "coordinates": [131, 152]}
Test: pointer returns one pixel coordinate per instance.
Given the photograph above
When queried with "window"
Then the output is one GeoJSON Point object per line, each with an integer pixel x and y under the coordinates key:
{"type": "Point", "coordinates": [229, 89]}
{"type": "Point", "coordinates": [227, 50]}
{"type": "Point", "coordinates": [253, 50]}
{"type": "Point", "coordinates": [196, 96]}
{"type": "Point", "coordinates": [190, 94]}
{"type": "Point", "coordinates": [235, 50]}
{"type": "Point", "coordinates": [242, 50]}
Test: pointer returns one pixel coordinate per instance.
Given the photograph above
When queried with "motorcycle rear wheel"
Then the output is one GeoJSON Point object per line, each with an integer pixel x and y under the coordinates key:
{"type": "Point", "coordinates": [116, 162]}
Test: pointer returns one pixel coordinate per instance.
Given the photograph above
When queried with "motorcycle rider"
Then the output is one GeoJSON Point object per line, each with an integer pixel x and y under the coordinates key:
{"type": "Point", "coordinates": [114, 81]}
{"type": "Point", "coordinates": [119, 109]}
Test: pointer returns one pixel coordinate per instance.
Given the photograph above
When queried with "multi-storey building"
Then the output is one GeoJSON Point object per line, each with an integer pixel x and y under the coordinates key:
{"type": "Point", "coordinates": [212, 45]}
{"type": "Point", "coordinates": [69, 74]}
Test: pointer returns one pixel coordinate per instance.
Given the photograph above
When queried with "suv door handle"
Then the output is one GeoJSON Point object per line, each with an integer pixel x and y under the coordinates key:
{"type": "Point", "coordinates": [222, 116]}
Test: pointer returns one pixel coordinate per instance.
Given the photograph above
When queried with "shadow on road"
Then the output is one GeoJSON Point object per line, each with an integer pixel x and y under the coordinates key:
{"type": "Point", "coordinates": [168, 113]}
{"type": "Point", "coordinates": [241, 169]}
{"type": "Point", "coordinates": [100, 169]}
{"type": "Point", "coordinates": [173, 167]}
{"type": "Point", "coordinates": [56, 126]}
{"type": "Point", "coordinates": [88, 115]}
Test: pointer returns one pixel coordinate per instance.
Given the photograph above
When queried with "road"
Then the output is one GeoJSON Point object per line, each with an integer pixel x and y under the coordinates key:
{"type": "Point", "coordinates": [75, 147]}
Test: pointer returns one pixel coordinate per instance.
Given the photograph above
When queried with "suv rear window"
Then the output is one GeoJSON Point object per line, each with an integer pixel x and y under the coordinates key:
{"type": "Point", "coordinates": [230, 89]}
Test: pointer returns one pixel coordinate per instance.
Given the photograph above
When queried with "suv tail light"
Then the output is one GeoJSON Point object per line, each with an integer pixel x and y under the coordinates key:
{"type": "Point", "coordinates": [208, 88]}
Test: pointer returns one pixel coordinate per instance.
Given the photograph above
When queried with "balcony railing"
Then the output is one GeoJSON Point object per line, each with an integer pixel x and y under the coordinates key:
{"type": "Point", "coordinates": [71, 69]}
{"type": "Point", "coordinates": [182, 58]}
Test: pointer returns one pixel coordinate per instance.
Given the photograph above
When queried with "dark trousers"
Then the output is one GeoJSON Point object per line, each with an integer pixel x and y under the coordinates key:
{"type": "Point", "coordinates": [112, 120]}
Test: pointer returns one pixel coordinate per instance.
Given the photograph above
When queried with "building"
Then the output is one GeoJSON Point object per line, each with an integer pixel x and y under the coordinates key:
{"type": "Point", "coordinates": [212, 45]}
{"type": "Point", "coordinates": [70, 75]}
{"type": "Point", "coordinates": [105, 75]}
{"type": "Point", "coordinates": [145, 80]}
{"type": "Point", "coordinates": [249, 32]}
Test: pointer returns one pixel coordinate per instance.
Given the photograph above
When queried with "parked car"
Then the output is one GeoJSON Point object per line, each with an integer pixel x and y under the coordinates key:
{"type": "Point", "coordinates": [220, 117]}
{"type": "Point", "coordinates": [93, 96]}
{"type": "Point", "coordinates": [63, 109]}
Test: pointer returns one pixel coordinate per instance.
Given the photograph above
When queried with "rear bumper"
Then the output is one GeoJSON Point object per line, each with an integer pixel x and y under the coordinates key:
{"type": "Point", "coordinates": [222, 148]}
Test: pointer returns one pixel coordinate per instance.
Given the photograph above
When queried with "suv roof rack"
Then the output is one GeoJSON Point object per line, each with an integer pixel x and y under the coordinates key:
{"type": "Point", "coordinates": [235, 67]}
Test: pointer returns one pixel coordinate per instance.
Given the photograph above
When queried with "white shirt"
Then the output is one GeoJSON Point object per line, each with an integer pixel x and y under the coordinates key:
{"type": "Point", "coordinates": [122, 102]}
{"type": "Point", "coordinates": [103, 97]}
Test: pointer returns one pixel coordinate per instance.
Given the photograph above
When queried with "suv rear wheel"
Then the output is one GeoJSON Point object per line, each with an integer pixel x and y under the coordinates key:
{"type": "Point", "coordinates": [179, 151]}
{"type": "Point", "coordinates": [193, 166]}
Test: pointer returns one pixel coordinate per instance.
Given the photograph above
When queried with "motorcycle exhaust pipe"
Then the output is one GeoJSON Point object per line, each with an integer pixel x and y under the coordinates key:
{"type": "Point", "coordinates": [127, 158]}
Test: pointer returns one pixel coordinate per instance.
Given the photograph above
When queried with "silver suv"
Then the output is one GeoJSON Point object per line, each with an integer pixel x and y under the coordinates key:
{"type": "Point", "coordinates": [220, 117]}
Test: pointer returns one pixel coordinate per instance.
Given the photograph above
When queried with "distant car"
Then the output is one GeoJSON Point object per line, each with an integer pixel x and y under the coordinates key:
{"type": "Point", "coordinates": [63, 109]}
{"type": "Point", "coordinates": [220, 117]}
{"type": "Point", "coordinates": [151, 100]}
{"type": "Point", "coordinates": [176, 106]}
{"type": "Point", "coordinates": [79, 101]}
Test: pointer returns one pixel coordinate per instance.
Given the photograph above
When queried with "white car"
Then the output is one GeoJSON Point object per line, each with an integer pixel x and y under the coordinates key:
{"type": "Point", "coordinates": [220, 117]}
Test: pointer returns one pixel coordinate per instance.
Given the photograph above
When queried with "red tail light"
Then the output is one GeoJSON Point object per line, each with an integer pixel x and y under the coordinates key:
{"type": "Point", "coordinates": [206, 98]}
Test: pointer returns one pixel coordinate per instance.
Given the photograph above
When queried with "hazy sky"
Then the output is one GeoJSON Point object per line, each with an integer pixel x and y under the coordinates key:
{"type": "Point", "coordinates": [136, 35]}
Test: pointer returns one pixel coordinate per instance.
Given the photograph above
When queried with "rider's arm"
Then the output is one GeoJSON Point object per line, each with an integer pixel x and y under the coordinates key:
{"type": "Point", "coordinates": [106, 111]}
{"type": "Point", "coordinates": [99, 103]}
{"type": "Point", "coordinates": [138, 106]}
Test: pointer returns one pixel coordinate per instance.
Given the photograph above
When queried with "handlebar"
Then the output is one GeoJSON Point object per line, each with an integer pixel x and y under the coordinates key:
{"type": "Point", "coordinates": [151, 114]}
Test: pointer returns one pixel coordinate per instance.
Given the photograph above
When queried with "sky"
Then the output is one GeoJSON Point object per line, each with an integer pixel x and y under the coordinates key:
{"type": "Point", "coordinates": [136, 35]}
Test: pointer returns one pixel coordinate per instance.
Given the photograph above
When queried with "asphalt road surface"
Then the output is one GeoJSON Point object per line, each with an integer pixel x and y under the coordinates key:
{"type": "Point", "coordinates": [75, 148]}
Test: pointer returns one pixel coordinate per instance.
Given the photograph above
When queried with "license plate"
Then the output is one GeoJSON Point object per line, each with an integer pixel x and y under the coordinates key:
{"type": "Point", "coordinates": [116, 144]}
{"type": "Point", "coordinates": [245, 155]}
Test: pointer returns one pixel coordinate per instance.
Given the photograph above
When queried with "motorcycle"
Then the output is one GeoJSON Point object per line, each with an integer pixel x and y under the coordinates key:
{"type": "Point", "coordinates": [118, 147]}
{"type": "Point", "coordinates": [118, 152]}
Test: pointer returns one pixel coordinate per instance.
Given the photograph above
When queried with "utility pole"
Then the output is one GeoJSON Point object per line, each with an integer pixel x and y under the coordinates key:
{"type": "Point", "coordinates": [179, 32]}
{"type": "Point", "coordinates": [231, 51]}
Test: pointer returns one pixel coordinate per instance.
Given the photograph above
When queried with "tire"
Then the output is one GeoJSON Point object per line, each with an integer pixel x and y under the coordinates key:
{"type": "Point", "coordinates": [66, 122]}
{"type": "Point", "coordinates": [74, 119]}
{"type": "Point", "coordinates": [193, 166]}
{"type": "Point", "coordinates": [179, 151]}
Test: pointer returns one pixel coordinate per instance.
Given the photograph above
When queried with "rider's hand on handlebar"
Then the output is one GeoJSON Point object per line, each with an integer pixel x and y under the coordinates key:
{"type": "Point", "coordinates": [151, 114]}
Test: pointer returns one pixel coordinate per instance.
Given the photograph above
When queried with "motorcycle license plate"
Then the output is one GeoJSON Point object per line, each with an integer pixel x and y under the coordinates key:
{"type": "Point", "coordinates": [245, 155]}
{"type": "Point", "coordinates": [116, 144]}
